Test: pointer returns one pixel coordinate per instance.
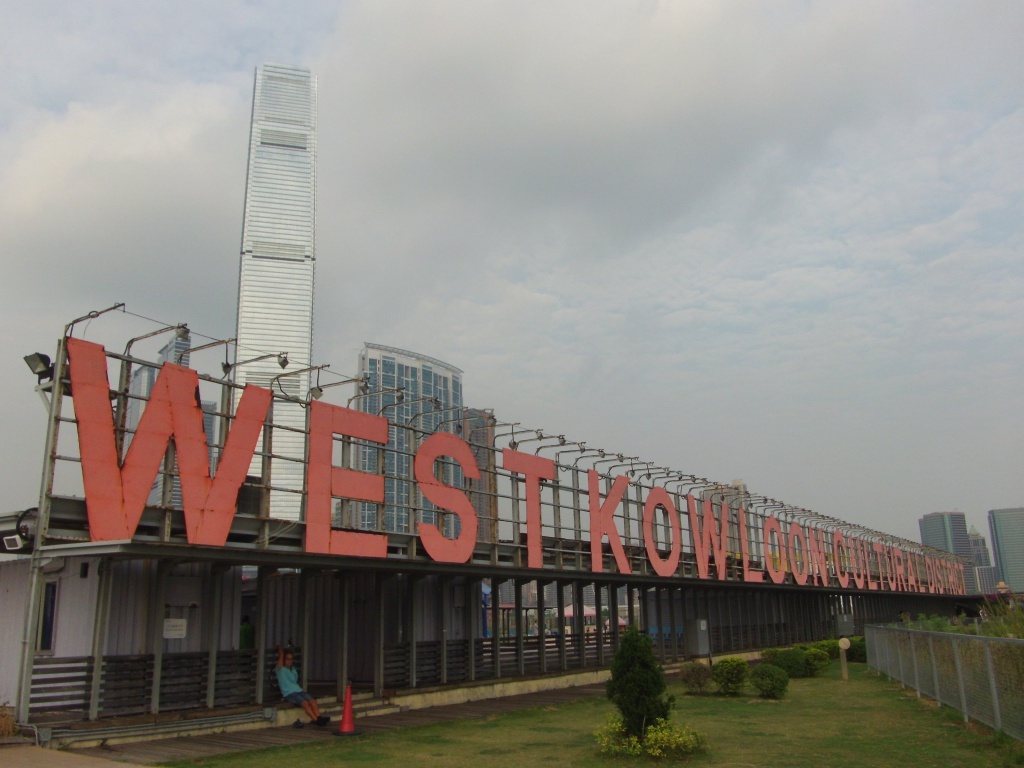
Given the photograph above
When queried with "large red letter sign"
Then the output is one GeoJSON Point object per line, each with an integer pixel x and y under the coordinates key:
{"type": "Point", "coordinates": [446, 497]}
{"type": "Point", "coordinates": [324, 481]}
{"type": "Point", "coordinates": [658, 497]}
{"type": "Point", "coordinates": [709, 541]}
{"type": "Point", "coordinates": [115, 495]}
{"type": "Point", "coordinates": [602, 522]}
{"type": "Point", "coordinates": [535, 469]}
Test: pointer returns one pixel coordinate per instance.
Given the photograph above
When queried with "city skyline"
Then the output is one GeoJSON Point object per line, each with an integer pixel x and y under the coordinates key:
{"type": "Point", "coordinates": [771, 241]}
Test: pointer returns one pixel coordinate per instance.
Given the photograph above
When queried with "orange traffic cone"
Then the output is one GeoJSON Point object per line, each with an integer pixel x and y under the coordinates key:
{"type": "Point", "coordinates": [348, 720]}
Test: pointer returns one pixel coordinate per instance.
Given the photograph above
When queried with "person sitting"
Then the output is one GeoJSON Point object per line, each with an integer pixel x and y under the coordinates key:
{"type": "Point", "coordinates": [288, 680]}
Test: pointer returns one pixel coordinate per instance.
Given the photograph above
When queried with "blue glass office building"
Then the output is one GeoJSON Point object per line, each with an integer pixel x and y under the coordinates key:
{"type": "Point", "coordinates": [419, 395]}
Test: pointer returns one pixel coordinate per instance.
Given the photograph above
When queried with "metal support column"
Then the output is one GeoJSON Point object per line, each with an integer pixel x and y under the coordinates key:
{"type": "Point", "coordinates": [304, 614]}
{"type": "Point", "coordinates": [156, 631]}
{"type": "Point", "coordinates": [496, 627]}
{"type": "Point", "coordinates": [412, 617]}
{"type": "Point", "coordinates": [560, 598]}
{"type": "Point", "coordinates": [262, 604]}
{"type": "Point", "coordinates": [212, 624]}
{"type": "Point", "coordinates": [672, 623]}
{"type": "Point", "coordinates": [378, 636]}
{"type": "Point", "coordinates": [444, 611]}
{"type": "Point", "coordinates": [542, 636]}
{"type": "Point", "coordinates": [599, 623]}
{"type": "Point", "coordinates": [520, 661]}
{"type": "Point", "coordinates": [661, 623]}
{"type": "Point", "coordinates": [578, 626]}
{"type": "Point", "coordinates": [613, 615]}
{"type": "Point", "coordinates": [473, 592]}
{"type": "Point", "coordinates": [343, 630]}
{"type": "Point", "coordinates": [105, 576]}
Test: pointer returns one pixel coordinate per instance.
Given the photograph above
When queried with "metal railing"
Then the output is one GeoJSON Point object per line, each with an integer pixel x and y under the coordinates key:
{"type": "Point", "coordinates": [982, 677]}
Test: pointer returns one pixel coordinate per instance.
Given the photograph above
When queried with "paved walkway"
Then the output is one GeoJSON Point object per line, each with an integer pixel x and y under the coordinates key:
{"type": "Point", "coordinates": [192, 747]}
{"type": "Point", "coordinates": [37, 757]}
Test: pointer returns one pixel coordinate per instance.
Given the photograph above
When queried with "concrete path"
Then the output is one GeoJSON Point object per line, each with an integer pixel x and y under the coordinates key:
{"type": "Point", "coordinates": [37, 757]}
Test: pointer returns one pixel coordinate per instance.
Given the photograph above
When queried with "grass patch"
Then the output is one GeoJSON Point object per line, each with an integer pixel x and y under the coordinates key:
{"type": "Point", "coordinates": [822, 721]}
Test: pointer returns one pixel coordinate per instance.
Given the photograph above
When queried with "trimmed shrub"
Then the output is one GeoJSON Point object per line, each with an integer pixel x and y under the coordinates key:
{"type": "Point", "coordinates": [817, 661]}
{"type": "Point", "coordinates": [672, 741]}
{"type": "Point", "coordinates": [637, 684]}
{"type": "Point", "coordinates": [831, 647]}
{"type": "Point", "coordinates": [771, 681]}
{"type": "Point", "coordinates": [858, 650]}
{"type": "Point", "coordinates": [663, 740]}
{"type": "Point", "coordinates": [792, 661]}
{"type": "Point", "coordinates": [695, 677]}
{"type": "Point", "coordinates": [730, 675]}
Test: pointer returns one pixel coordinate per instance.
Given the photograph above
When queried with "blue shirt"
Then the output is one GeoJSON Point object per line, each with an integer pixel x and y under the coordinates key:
{"type": "Point", "coordinates": [288, 680]}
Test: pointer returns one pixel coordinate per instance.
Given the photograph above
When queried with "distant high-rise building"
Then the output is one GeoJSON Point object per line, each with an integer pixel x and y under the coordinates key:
{"type": "Point", "coordinates": [987, 574]}
{"type": "Point", "coordinates": [948, 531]}
{"type": "Point", "coordinates": [412, 390]}
{"type": "Point", "coordinates": [1007, 529]}
{"type": "Point", "coordinates": [275, 293]}
{"type": "Point", "coordinates": [477, 427]}
{"type": "Point", "coordinates": [175, 351]}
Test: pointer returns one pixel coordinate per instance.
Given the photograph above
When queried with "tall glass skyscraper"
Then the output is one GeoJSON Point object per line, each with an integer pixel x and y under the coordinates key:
{"type": "Point", "coordinates": [948, 531]}
{"type": "Point", "coordinates": [400, 383]}
{"type": "Point", "coordinates": [275, 293]}
{"type": "Point", "coordinates": [1007, 529]}
{"type": "Point", "coordinates": [987, 573]}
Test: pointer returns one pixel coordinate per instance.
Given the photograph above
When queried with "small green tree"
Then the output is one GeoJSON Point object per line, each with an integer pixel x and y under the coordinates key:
{"type": "Point", "coordinates": [637, 684]}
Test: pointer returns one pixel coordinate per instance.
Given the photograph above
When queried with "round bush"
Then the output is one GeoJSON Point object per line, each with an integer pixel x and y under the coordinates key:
{"type": "Point", "coordinates": [730, 675]}
{"type": "Point", "coordinates": [858, 650]}
{"type": "Point", "coordinates": [817, 661]}
{"type": "Point", "coordinates": [792, 660]}
{"type": "Point", "coordinates": [771, 681]}
{"type": "Point", "coordinates": [695, 677]}
{"type": "Point", "coordinates": [831, 647]}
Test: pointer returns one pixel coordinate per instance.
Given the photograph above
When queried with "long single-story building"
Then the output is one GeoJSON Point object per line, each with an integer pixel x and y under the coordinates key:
{"type": "Point", "coordinates": [154, 575]}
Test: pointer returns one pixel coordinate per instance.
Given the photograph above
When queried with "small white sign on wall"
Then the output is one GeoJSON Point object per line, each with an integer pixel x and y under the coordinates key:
{"type": "Point", "coordinates": [175, 629]}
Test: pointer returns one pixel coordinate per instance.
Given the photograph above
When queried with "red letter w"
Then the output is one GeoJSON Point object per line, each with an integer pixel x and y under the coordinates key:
{"type": "Point", "coordinates": [115, 496]}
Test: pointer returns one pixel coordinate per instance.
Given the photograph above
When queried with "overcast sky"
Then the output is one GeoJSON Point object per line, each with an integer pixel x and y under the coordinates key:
{"type": "Point", "coordinates": [782, 242]}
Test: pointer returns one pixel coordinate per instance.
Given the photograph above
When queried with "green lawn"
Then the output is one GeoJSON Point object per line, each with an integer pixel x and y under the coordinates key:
{"type": "Point", "coordinates": [821, 722]}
